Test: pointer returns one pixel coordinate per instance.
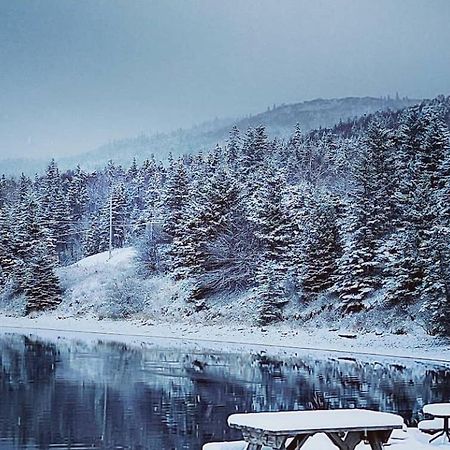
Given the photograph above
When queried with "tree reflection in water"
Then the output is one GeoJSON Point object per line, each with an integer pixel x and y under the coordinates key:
{"type": "Point", "coordinates": [67, 394]}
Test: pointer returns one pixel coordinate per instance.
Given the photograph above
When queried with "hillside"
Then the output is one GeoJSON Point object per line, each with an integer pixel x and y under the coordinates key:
{"type": "Point", "coordinates": [95, 296]}
{"type": "Point", "coordinates": [279, 122]}
{"type": "Point", "coordinates": [316, 230]}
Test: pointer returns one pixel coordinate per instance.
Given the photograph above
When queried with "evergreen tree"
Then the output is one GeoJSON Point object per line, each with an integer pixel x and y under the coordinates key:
{"type": "Point", "coordinates": [358, 275]}
{"type": "Point", "coordinates": [271, 224]}
{"type": "Point", "coordinates": [34, 248]}
{"type": "Point", "coordinates": [403, 265]}
{"type": "Point", "coordinates": [321, 245]}
{"type": "Point", "coordinates": [77, 195]}
{"type": "Point", "coordinates": [41, 284]}
{"type": "Point", "coordinates": [254, 150]}
{"type": "Point", "coordinates": [7, 260]}
{"type": "Point", "coordinates": [435, 249]}
{"type": "Point", "coordinates": [175, 215]}
{"type": "Point", "coordinates": [94, 239]}
{"type": "Point", "coordinates": [213, 218]}
{"type": "Point", "coordinates": [233, 148]}
{"type": "Point", "coordinates": [54, 212]}
{"type": "Point", "coordinates": [367, 219]}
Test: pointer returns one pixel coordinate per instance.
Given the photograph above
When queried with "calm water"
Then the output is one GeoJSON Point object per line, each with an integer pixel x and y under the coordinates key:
{"type": "Point", "coordinates": [65, 393]}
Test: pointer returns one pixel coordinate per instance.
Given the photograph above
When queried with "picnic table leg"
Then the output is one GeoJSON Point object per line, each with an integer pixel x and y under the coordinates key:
{"type": "Point", "coordinates": [254, 446]}
{"type": "Point", "coordinates": [446, 428]}
{"type": "Point", "coordinates": [376, 439]}
{"type": "Point", "coordinates": [352, 439]}
{"type": "Point", "coordinates": [444, 432]}
{"type": "Point", "coordinates": [298, 442]}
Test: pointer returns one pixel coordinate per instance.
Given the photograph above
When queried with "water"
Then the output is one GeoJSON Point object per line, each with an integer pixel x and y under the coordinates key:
{"type": "Point", "coordinates": [66, 393]}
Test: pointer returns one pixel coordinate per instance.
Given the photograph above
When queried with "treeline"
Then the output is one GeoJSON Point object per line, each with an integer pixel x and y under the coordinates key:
{"type": "Point", "coordinates": [351, 212]}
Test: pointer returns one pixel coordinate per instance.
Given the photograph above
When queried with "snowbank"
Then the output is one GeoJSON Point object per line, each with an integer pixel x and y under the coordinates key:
{"type": "Point", "coordinates": [272, 340]}
{"type": "Point", "coordinates": [98, 289]}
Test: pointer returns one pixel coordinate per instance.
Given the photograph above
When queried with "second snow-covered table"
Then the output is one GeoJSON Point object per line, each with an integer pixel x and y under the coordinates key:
{"type": "Point", "coordinates": [440, 410]}
{"type": "Point", "coordinates": [346, 428]}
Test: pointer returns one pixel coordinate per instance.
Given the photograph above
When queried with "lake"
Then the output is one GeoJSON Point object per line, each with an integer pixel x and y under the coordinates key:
{"type": "Point", "coordinates": [73, 393]}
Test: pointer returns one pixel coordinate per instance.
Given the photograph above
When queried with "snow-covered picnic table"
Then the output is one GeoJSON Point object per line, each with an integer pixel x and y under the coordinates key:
{"type": "Point", "coordinates": [442, 411]}
{"type": "Point", "coordinates": [346, 428]}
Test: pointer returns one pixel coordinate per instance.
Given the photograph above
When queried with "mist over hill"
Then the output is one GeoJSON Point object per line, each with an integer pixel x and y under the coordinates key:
{"type": "Point", "coordinates": [278, 120]}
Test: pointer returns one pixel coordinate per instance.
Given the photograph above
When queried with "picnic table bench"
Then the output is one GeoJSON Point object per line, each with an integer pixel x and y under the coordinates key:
{"type": "Point", "coordinates": [345, 428]}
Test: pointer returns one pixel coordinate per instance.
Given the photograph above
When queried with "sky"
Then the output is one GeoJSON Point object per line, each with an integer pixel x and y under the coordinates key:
{"type": "Point", "coordinates": [75, 74]}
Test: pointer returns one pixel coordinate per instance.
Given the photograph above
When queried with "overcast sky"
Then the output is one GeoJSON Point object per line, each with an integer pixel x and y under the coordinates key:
{"type": "Point", "coordinates": [76, 73]}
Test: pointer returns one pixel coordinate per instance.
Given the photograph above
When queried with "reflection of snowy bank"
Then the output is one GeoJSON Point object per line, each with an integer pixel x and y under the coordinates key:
{"type": "Point", "coordinates": [305, 380]}
{"type": "Point", "coordinates": [282, 339]}
{"type": "Point", "coordinates": [151, 391]}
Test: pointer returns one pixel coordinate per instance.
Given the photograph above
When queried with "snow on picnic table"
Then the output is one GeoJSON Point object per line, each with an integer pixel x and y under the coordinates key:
{"type": "Point", "coordinates": [437, 409]}
{"type": "Point", "coordinates": [337, 420]}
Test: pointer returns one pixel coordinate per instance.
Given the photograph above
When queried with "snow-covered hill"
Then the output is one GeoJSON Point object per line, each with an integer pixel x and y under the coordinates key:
{"type": "Point", "coordinates": [279, 121]}
{"type": "Point", "coordinates": [97, 288]}
{"type": "Point", "coordinates": [111, 288]}
{"type": "Point", "coordinates": [106, 287]}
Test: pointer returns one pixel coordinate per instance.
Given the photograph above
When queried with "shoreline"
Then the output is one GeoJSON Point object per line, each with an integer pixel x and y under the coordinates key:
{"type": "Point", "coordinates": [271, 340]}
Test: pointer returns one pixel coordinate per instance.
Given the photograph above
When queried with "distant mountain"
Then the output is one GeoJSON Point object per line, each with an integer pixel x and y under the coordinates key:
{"type": "Point", "coordinates": [279, 121]}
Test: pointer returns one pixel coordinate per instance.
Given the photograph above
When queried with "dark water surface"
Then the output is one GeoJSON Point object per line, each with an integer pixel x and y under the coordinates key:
{"type": "Point", "coordinates": [65, 393]}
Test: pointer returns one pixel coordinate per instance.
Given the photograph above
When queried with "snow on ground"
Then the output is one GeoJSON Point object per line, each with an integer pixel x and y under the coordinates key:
{"type": "Point", "coordinates": [272, 340]}
{"type": "Point", "coordinates": [106, 296]}
{"type": "Point", "coordinates": [110, 288]}
{"type": "Point", "coordinates": [408, 439]}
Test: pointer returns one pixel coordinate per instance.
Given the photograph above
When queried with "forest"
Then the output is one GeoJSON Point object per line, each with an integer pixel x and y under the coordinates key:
{"type": "Point", "coordinates": [344, 213]}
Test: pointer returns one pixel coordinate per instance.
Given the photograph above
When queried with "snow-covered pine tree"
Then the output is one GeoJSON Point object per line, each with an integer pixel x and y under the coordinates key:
{"type": "Point", "coordinates": [7, 259]}
{"type": "Point", "coordinates": [136, 189]}
{"type": "Point", "coordinates": [3, 190]}
{"type": "Point", "coordinates": [177, 191]}
{"type": "Point", "coordinates": [114, 173]}
{"type": "Point", "coordinates": [42, 285]}
{"type": "Point", "coordinates": [434, 248]}
{"type": "Point", "coordinates": [54, 212]}
{"type": "Point", "coordinates": [77, 195]}
{"type": "Point", "coordinates": [377, 176]}
{"type": "Point", "coordinates": [77, 200]}
{"type": "Point", "coordinates": [297, 210]}
{"type": "Point", "coordinates": [321, 245]}
{"type": "Point", "coordinates": [255, 148]}
{"type": "Point", "coordinates": [233, 148]}
{"type": "Point", "coordinates": [403, 268]}
{"type": "Point", "coordinates": [291, 155]}
{"type": "Point", "coordinates": [94, 239]}
{"type": "Point", "coordinates": [369, 216]}
{"type": "Point", "coordinates": [272, 230]}
{"type": "Point", "coordinates": [216, 230]}
{"type": "Point", "coordinates": [35, 253]}
{"type": "Point", "coordinates": [23, 188]}
{"type": "Point", "coordinates": [358, 274]}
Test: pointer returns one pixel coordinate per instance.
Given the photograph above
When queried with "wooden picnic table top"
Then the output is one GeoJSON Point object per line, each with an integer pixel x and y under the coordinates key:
{"type": "Point", "coordinates": [290, 423]}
